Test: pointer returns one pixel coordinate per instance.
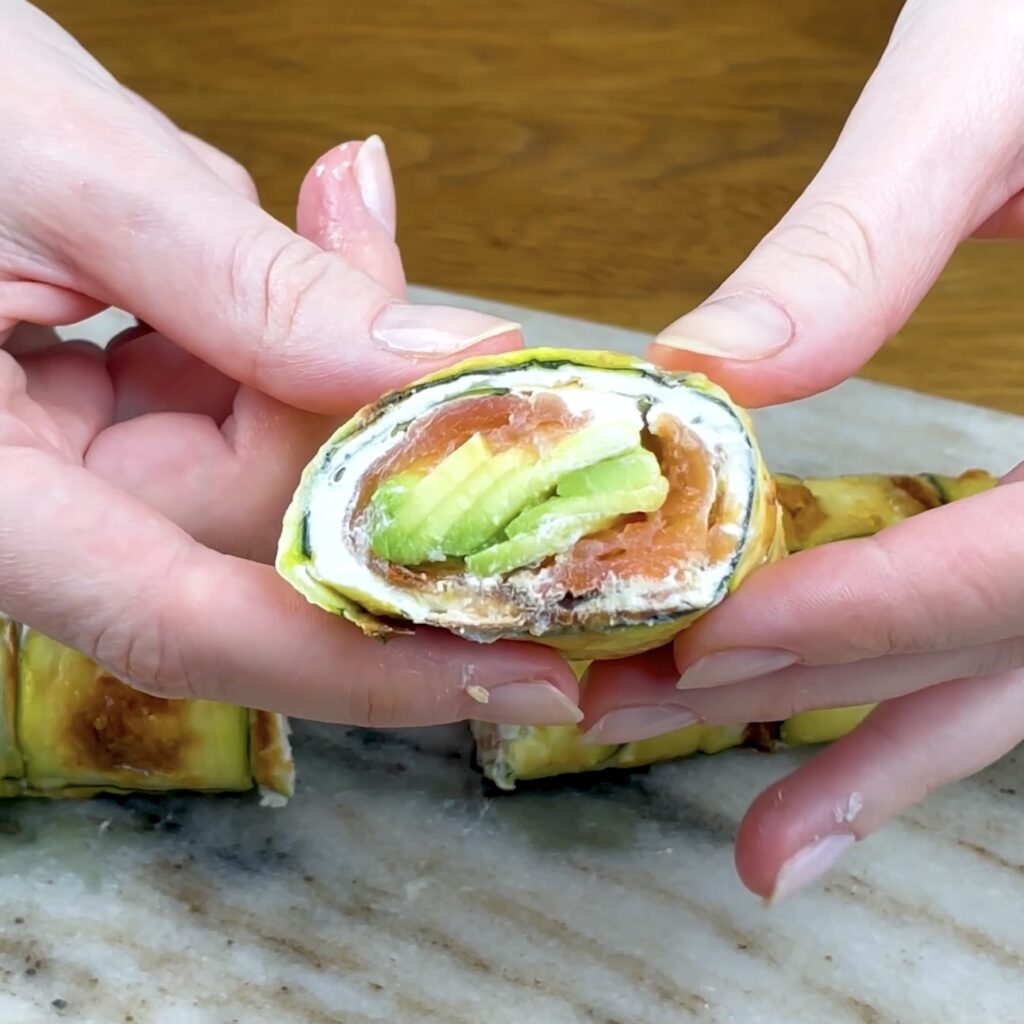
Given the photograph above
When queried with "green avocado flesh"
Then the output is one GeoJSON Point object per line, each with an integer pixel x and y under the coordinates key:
{"type": "Point", "coordinates": [504, 511]}
{"type": "Point", "coordinates": [400, 516]}
{"type": "Point", "coordinates": [637, 468]}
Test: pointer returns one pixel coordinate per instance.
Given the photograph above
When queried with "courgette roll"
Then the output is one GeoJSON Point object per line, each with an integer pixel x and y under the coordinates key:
{"type": "Point", "coordinates": [585, 500]}
{"type": "Point", "coordinates": [819, 511]}
{"type": "Point", "coordinates": [815, 512]}
{"type": "Point", "coordinates": [73, 730]}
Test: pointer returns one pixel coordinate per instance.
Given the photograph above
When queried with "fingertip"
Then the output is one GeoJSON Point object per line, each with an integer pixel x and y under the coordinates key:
{"type": "Point", "coordinates": [315, 190]}
{"type": "Point", "coordinates": [443, 334]}
{"type": "Point", "coordinates": [357, 173]}
{"type": "Point", "coordinates": [808, 864]}
{"type": "Point", "coordinates": [530, 660]}
{"type": "Point", "coordinates": [645, 679]}
{"type": "Point", "coordinates": [347, 205]}
{"type": "Point", "coordinates": [730, 340]}
{"type": "Point", "coordinates": [735, 379]}
{"type": "Point", "coordinates": [434, 677]}
{"type": "Point", "coordinates": [774, 380]}
{"type": "Point", "coordinates": [341, 154]}
{"type": "Point", "coordinates": [533, 702]}
{"type": "Point", "coordinates": [796, 829]}
{"type": "Point", "coordinates": [47, 305]}
{"type": "Point", "coordinates": [741, 327]}
{"type": "Point", "coordinates": [762, 841]}
{"type": "Point", "coordinates": [507, 337]}
{"type": "Point", "coordinates": [372, 171]}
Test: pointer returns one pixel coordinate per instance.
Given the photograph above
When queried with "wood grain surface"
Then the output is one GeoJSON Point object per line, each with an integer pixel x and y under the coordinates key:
{"type": "Point", "coordinates": [609, 159]}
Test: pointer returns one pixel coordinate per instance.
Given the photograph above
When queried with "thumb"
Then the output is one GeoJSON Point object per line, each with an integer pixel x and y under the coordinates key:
{"type": "Point", "coordinates": [929, 152]}
{"type": "Point", "coordinates": [167, 239]}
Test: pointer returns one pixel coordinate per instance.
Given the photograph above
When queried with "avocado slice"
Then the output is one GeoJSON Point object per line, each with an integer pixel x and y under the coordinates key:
{"type": "Point", "coordinates": [531, 484]}
{"type": "Point", "coordinates": [438, 535]}
{"type": "Point", "coordinates": [391, 495]}
{"type": "Point", "coordinates": [555, 525]}
{"type": "Point", "coordinates": [527, 548]}
{"type": "Point", "coordinates": [397, 537]}
{"type": "Point", "coordinates": [618, 503]}
{"type": "Point", "coordinates": [637, 468]}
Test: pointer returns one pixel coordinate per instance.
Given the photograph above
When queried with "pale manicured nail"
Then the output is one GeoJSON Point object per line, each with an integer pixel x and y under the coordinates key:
{"type": "Point", "coordinates": [524, 703]}
{"type": "Point", "coordinates": [739, 327]}
{"type": "Point", "coordinates": [734, 667]}
{"type": "Point", "coordinates": [629, 725]}
{"type": "Point", "coordinates": [373, 176]}
{"type": "Point", "coordinates": [809, 864]}
{"type": "Point", "coordinates": [435, 330]}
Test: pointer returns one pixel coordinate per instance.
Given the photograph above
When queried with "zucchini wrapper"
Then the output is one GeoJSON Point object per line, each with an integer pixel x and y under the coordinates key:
{"type": "Point", "coordinates": [815, 512]}
{"type": "Point", "coordinates": [71, 730]}
{"type": "Point", "coordinates": [585, 500]}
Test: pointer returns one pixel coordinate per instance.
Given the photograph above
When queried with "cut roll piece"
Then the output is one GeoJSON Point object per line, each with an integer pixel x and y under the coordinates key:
{"type": "Point", "coordinates": [819, 511]}
{"type": "Point", "coordinates": [585, 500]}
{"type": "Point", "coordinates": [76, 731]}
{"type": "Point", "coordinates": [512, 754]}
{"type": "Point", "coordinates": [815, 512]}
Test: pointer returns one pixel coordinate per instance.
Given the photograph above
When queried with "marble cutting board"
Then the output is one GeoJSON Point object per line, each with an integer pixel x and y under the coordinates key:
{"type": "Point", "coordinates": [391, 889]}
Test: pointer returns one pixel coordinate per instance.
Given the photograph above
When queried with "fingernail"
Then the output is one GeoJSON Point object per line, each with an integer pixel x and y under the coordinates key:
{"type": "Point", "coordinates": [734, 667]}
{"type": "Point", "coordinates": [629, 725]}
{"type": "Point", "coordinates": [739, 327]}
{"type": "Point", "coordinates": [376, 186]}
{"type": "Point", "coordinates": [435, 330]}
{"type": "Point", "coordinates": [809, 864]}
{"type": "Point", "coordinates": [526, 703]}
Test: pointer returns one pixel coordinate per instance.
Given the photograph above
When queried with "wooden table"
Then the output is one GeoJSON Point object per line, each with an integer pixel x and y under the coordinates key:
{"type": "Point", "coordinates": [611, 159]}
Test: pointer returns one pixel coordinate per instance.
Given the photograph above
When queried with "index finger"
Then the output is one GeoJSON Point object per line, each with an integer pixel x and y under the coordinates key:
{"type": "Point", "coordinates": [950, 577]}
{"type": "Point", "coordinates": [164, 237]}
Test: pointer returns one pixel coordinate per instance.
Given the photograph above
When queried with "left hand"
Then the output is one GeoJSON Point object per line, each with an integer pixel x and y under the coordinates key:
{"type": "Point", "coordinates": [928, 616]}
{"type": "Point", "coordinates": [142, 487]}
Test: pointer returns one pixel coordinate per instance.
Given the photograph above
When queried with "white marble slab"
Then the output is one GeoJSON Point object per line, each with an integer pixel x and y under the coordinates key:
{"type": "Point", "coordinates": [392, 889]}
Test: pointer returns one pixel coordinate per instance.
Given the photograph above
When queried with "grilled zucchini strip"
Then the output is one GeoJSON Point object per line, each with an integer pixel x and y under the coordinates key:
{"type": "Point", "coordinates": [72, 730]}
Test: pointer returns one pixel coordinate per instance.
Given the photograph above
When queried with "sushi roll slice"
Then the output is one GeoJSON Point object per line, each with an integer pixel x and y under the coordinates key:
{"type": "Point", "coordinates": [70, 729]}
{"type": "Point", "coordinates": [583, 500]}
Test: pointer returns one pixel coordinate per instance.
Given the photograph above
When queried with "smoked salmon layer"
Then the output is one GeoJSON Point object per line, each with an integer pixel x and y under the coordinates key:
{"type": "Point", "coordinates": [585, 500]}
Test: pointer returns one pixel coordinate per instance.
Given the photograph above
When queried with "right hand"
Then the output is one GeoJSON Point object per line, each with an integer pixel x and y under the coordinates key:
{"type": "Point", "coordinates": [143, 488]}
{"type": "Point", "coordinates": [926, 617]}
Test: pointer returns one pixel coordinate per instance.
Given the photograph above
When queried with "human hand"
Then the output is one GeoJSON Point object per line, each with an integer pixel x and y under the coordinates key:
{"type": "Point", "coordinates": [926, 616]}
{"type": "Point", "coordinates": [143, 487]}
